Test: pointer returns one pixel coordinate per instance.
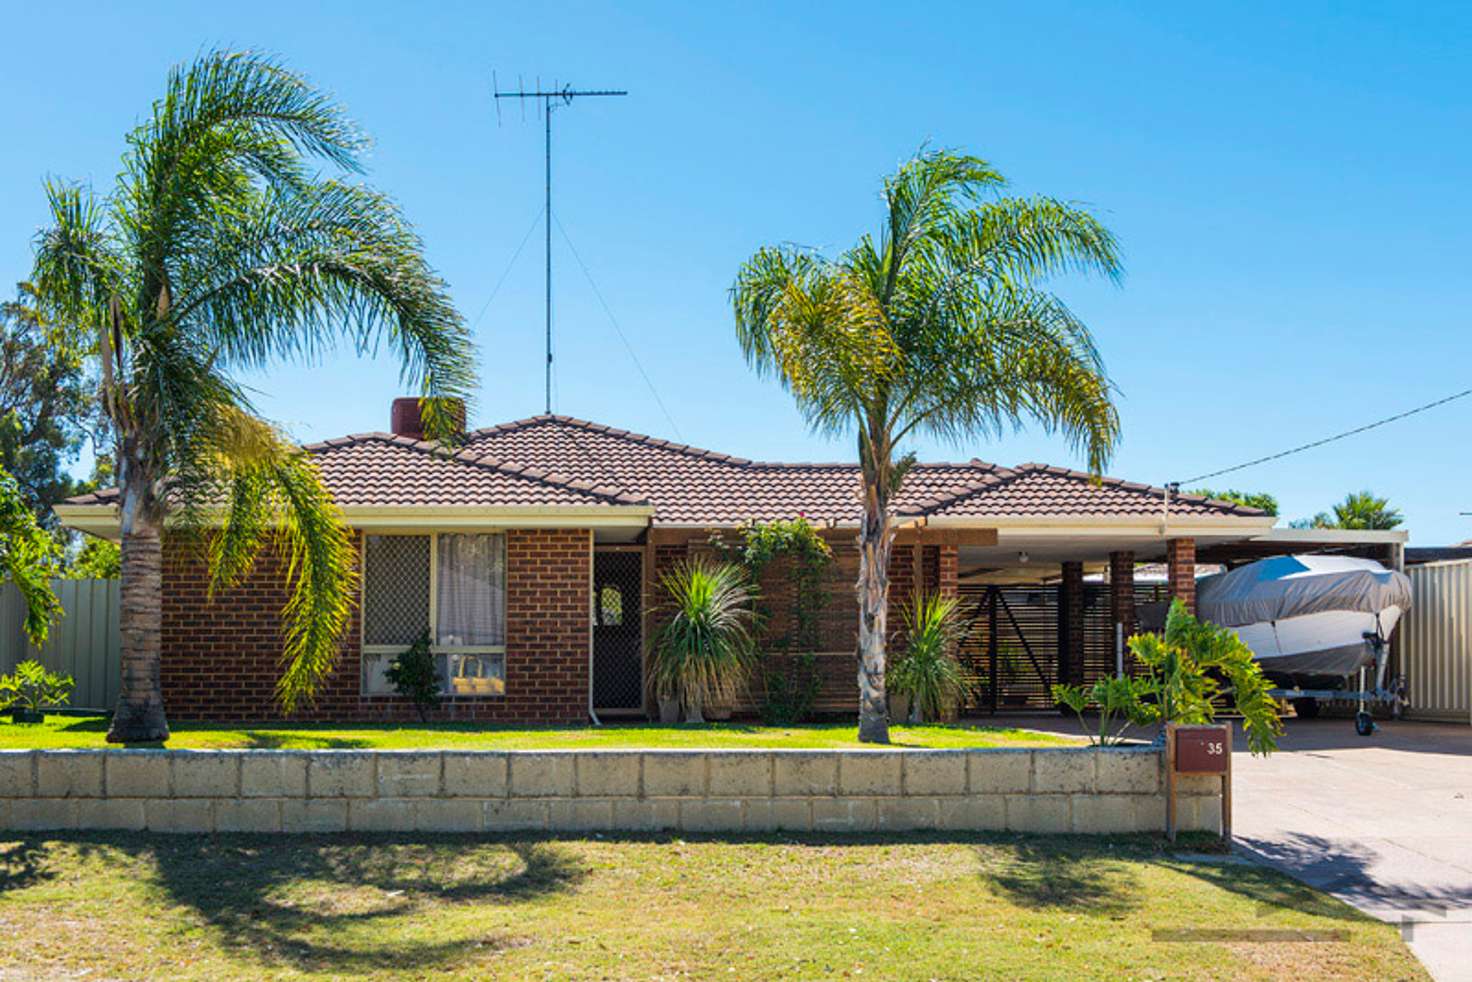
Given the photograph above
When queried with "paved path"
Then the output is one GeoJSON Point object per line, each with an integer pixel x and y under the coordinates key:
{"type": "Point", "coordinates": [1382, 822]}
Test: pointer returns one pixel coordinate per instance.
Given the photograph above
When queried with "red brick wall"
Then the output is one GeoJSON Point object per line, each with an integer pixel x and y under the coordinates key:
{"type": "Point", "coordinates": [1180, 560]}
{"type": "Point", "coordinates": [1122, 590]}
{"type": "Point", "coordinates": [221, 659]}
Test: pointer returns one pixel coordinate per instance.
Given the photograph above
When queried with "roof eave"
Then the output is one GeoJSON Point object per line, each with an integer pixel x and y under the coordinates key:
{"type": "Point", "coordinates": [102, 519]}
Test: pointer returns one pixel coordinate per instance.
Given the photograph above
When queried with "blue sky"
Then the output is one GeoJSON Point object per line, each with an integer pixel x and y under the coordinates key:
{"type": "Point", "coordinates": [1288, 183]}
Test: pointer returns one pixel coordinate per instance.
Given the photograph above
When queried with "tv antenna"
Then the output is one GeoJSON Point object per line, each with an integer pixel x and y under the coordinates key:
{"type": "Point", "coordinates": [554, 98]}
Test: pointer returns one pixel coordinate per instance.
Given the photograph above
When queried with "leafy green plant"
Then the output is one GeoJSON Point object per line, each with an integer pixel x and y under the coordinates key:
{"type": "Point", "coordinates": [28, 559]}
{"type": "Point", "coordinates": [415, 673]}
{"type": "Point", "coordinates": [790, 681]}
{"type": "Point", "coordinates": [1197, 663]}
{"type": "Point", "coordinates": [928, 672]}
{"type": "Point", "coordinates": [705, 651]}
{"type": "Point", "coordinates": [33, 688]}
{"type": "Point", "coordinates": [1119, 702]}
{"type": "Point", "coordinates": [790, 689]}
{"type": "Point", "coordinates": [1182, 682]}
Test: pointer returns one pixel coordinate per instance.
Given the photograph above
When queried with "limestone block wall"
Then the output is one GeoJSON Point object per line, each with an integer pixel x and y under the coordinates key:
{"type": "Point", "coordinates": [1040, 790]}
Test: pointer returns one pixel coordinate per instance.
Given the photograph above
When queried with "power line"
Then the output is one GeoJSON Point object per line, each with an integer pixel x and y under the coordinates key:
{"type": "Point", "coordinates": [1330, 439]}
{"type": "Point", "coordinates": [507, 271]}
{"type": "Point", "coordinates": [617, 329]}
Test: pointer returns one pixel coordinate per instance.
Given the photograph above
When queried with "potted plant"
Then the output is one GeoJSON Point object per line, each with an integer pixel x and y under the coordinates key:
{"type": "Point", "coordinates": [927, 676]}
{"type": "Point", "coordinates": [703, 654]}
{"type": "Point", "coordinates": [31, 689]}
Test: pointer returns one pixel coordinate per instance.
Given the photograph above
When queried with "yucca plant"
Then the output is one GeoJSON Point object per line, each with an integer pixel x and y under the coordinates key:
{"type": "Point", "coordinates": [705, 651]}
{"type": "Point", "coordinates": [928, 672]}
{"type": "Point", "coordinates": [223, 248]}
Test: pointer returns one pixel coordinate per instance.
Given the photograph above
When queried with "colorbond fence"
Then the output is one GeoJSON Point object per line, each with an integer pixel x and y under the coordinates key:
{"type": "Point", "coordinates": [83, 644]}
{"type": "Point", "coordinates": [1434, 641]}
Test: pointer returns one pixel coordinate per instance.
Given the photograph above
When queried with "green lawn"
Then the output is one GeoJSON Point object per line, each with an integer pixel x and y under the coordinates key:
{"type": "Point", "coordinates": [124, 905]}
{"type": "Point", "coordinates": [88, 731]}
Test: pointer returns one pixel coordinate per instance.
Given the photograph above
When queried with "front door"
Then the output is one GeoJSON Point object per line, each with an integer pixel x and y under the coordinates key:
{"type": "Point", "coordinates": [618, 635]}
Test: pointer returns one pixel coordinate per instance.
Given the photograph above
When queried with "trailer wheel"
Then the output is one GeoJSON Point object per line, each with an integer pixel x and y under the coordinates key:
{"type": "Point", "coordinates": [1364, 723]}
{"type": "Point", "coordinates": [1306, 708]}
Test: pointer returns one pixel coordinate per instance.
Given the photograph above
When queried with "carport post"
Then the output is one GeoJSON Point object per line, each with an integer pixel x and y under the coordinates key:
{"type": "Point", "coordinates": [1180, 561]}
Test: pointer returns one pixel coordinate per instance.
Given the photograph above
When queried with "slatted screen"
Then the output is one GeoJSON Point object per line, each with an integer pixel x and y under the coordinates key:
{"type": "Point", "coordinates": [1027, 642]}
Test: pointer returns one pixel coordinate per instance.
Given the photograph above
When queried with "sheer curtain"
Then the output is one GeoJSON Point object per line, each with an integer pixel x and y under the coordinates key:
{"type": "Point", "coordinates": [471, 590]}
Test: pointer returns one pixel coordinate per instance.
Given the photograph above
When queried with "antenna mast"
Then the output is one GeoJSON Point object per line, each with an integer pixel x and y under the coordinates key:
{"type": "Point", "coordinates": [552, 98]}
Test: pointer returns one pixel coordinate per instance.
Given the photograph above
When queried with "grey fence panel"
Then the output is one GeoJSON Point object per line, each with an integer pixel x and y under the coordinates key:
{"type": "Point", "coordinates": [83, 644]}
{"type": "Point", "coordinates": [1435, 643]}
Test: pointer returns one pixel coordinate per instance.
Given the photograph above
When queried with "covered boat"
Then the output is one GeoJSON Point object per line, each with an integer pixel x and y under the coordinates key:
{"type": "Point", "coordinates": [1308, 619]}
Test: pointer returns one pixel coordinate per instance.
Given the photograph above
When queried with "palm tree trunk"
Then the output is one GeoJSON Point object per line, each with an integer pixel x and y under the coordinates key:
{"type": "Point", "coordinates": [873, 588]}
{"type": "Point", "coordinates": [139, 717]}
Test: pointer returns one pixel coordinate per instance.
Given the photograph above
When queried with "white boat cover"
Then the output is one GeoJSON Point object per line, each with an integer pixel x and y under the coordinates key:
{"type": "Point", "coordinates": [1307, 614]}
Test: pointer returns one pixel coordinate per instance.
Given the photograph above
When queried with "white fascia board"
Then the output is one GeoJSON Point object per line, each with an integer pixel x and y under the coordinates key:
{"type": "Point", "coordinates": [1336, 536]}
{"type": "Point", "coordinates": [102, 520]}
{"type": "Point", "coordinates": [1109, 525]}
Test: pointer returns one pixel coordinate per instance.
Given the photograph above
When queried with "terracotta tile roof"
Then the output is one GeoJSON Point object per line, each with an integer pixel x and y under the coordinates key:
{"type": "Point", "coordinates": [380, 469]}
{"type": "Point", "coordinates": [1040, 489]}
{"type": "Point", "coordinates": [552, 460]}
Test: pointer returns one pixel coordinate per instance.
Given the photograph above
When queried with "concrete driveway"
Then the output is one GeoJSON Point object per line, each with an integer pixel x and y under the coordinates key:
{"type": "Point", "coordinates": [1382, 822]}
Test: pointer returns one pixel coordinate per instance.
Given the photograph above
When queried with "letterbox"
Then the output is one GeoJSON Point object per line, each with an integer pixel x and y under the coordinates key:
{"type": "Point", "coordinates": [1202, 750]}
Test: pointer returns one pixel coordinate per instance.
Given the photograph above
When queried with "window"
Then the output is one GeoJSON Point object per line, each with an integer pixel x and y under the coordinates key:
{"type": "Point", "coordinates": [452, 585]}
{"type": "Point", "coordinates": [610, 606]}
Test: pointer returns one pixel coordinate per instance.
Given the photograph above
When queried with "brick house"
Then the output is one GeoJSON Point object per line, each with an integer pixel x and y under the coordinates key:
{"type": "Point", "coordinates": [532, 552]}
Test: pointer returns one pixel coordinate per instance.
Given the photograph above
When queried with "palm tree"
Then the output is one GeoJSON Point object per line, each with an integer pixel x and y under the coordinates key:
{"type": "Point", "coordinates": [938, 326]}
{"type": "Point", "coordinates": [220, 249]}
{"type": "Point", "coordinates": [1364, 510]}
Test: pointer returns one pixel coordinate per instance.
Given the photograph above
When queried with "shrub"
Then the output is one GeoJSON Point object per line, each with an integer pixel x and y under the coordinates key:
{"type": "Point", "coordinates": [790, 690]}
{"type": "Point", "coordinates": [1120, 702]}
{"type": "Point", "coordinates": [704, 653]}
{"type": "Point", "coordinates": [1182, 682]}
{"type": "Point", "coordinates": [33, 688]}
{"type": "Point", "coordinates": [928, 672]}
{"type": "Point", "coordinates": [415, 673]}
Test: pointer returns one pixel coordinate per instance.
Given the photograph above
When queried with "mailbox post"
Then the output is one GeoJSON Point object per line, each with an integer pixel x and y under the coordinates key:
{"type": "Point", "coordinates": [1198, 750]}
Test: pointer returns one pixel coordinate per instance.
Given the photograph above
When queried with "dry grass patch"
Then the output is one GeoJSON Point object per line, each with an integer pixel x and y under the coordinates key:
{"type": "Point", "coordinates": [922, 907]}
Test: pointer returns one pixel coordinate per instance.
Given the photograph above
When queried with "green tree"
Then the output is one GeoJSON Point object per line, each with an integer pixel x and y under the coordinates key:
{"type": "Point", "coordinates": [94, 559]}
{"type": "Point", "coordinates": [47, 404]}
{"type": "Point", "coordinates": [222, 248]}
{"type": "Point", "coordinates": [938, 325]}
{"type": "Point", "coordinates": [27, 558]}
{"type": "Point", "coordinates": [1250, 499]}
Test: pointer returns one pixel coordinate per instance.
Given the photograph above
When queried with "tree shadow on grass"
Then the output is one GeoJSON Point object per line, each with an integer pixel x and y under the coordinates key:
{"type": "Point", "coordinates": [275, 740]}
{"type": "Point", "coordinates": [343, 904]}
{"type": "Point", "coordinates": [1060, 873]}
{"type": "Point", "coordinates": [23, 864]}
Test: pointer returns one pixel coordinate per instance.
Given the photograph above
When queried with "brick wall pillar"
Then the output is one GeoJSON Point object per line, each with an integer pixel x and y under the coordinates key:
{"type": "Point", "coordinates": [1071, 624]}
{"type": "Point", "coordinates": [948, 569]}
{"type": "Point", "coordinates": [1122, 590]}
{"type": "Point", "coordinates": [1180, 561]}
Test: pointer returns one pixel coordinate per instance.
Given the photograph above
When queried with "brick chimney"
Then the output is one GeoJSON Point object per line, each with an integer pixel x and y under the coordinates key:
{"type": "Point", "coordinates": [404, 417]}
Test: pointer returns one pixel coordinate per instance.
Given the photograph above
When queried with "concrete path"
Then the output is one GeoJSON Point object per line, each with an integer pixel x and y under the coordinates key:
{"type": "Point", "coordinates": [1382, 822]}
